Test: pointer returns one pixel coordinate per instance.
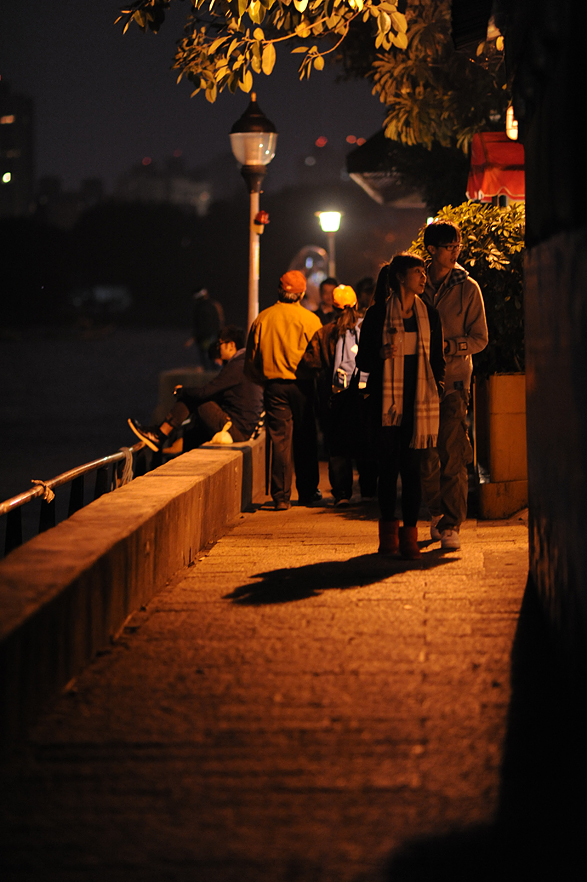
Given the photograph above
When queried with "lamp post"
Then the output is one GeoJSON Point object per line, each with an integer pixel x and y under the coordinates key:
{"type": "Point", "coordinates": [253, 139]}
{"type": "Point", "coordinates": [330, 222]}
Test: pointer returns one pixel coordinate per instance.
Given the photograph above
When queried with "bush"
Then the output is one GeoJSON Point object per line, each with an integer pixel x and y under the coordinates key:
{"type": "Point", "coordinates": [493, 253]}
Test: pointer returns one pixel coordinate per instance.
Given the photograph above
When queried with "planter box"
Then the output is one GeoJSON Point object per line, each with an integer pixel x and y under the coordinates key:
{"type": "Point", "coordinates": [500, 435]}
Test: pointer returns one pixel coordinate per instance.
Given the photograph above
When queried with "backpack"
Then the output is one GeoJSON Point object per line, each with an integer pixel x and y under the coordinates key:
{"type": "Point", "coordinates": [344, 370]}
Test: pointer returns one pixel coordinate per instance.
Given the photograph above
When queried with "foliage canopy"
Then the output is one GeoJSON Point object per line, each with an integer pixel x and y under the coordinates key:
{"type": "Point", "coordinates": [226, 41]}
{"type": "Point", "coordinates": [432, 92]}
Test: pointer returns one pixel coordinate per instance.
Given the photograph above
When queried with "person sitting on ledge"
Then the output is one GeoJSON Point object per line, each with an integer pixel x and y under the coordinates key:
{"type": "Point", "coordinates": [230, 403]}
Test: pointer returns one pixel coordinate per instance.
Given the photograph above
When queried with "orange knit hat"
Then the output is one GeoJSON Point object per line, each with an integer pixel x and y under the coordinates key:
{"type": "Point", "coordinates": [293, 282]}
{"type": "Point", "coordinates": [344, 295]}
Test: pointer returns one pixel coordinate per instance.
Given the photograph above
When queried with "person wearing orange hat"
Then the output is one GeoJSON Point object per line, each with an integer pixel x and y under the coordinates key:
{"type": "Point", "coordinates": [277, 341]}
{"type": "Point", "coordinates": [331, 352]}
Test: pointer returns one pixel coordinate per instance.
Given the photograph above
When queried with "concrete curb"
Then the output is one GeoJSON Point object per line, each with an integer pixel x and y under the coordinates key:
{"type": "Point", "coordinates": [66, 593]}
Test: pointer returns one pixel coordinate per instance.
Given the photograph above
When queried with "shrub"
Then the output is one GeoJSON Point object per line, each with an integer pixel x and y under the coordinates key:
{"type": "Point", "coordinates": [493, 253]}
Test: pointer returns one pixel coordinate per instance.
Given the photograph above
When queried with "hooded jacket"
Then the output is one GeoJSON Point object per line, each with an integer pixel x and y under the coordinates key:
{"type": "Point", "coordinates": [462, 313]}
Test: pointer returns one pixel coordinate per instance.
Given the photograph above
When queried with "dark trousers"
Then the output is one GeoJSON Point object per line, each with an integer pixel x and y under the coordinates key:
{"type": "Point", "coordinates": [290, 420]}
{"type": "Point", "coordinates": [396, 457]}
{"type": "Point", "coordinates": [209, 419]}
{"type": "Point", "coordinates": [347, 420]}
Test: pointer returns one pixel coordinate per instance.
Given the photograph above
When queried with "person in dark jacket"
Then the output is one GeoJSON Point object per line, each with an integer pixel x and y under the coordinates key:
{"type": "Point", "coordinates": [401, 348]}
{"type": "Point", "coordinates": [229, 403]}
{"type": "Point", "coordinates": [332, 352]}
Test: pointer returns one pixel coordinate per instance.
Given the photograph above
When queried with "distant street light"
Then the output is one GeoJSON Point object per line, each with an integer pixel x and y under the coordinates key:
{"type": "Point", "coordinates": [330, 222]}
{"type": "Point", "coordinates": [253, 140]}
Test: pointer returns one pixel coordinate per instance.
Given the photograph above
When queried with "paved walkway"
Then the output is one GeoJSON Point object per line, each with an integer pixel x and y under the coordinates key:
{"type": "Point", "coordinates": [293, 708]}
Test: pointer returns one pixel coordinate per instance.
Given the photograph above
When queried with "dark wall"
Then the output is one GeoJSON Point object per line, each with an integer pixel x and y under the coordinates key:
{"type": "Point", "coordinates": [544, 46]}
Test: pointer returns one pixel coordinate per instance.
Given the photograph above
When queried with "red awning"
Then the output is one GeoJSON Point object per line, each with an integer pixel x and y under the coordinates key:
{"type": "Point", "coordinates": [497, 167]}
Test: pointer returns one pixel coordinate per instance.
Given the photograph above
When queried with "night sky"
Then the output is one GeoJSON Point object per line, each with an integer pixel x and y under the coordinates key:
{"type": "Point", "coordinates": [104, 100]}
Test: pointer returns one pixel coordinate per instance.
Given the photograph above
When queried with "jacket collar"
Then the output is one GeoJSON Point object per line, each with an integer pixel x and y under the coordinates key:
{"type": "Point", "coordinates": [456, 277]}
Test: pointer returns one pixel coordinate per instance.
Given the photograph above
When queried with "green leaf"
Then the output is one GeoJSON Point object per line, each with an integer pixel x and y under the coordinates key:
{"type": "Point", "coordinates": [256, 60]}
{"type": "Point", "coordinates": [384, 23]}
{"type": "Point", "coordinates": [246, 83]}
{"type": "Point", "coordinates": [399, 22]}
{"type": "Point", "coordinates": [268, 59]}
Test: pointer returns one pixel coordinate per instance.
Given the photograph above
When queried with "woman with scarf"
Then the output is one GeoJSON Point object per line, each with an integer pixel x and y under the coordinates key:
{"type": "Point", "coordinates": [401, 347]}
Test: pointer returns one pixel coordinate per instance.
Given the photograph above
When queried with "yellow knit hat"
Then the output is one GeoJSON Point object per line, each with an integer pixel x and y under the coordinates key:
{"type": "Point", "coordinates": [344, 295]}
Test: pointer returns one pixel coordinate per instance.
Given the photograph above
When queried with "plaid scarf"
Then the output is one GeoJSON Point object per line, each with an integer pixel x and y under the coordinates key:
{"type": "Point", "coordinates": [427, 403]}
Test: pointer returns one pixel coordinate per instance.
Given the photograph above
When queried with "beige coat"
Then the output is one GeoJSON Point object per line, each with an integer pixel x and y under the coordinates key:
{"type": "Point", "coordinates": [462, 313]}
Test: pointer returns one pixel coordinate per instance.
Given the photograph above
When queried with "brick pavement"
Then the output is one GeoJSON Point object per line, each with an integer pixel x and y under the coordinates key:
{"type": "Point", "coordinates": [293, 707]}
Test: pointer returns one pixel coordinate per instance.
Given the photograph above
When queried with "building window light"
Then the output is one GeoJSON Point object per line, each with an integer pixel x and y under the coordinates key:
{"type": "Point", "coordinates": [7, 120]}
{"type": "Point", "coordinates": [6, 178]}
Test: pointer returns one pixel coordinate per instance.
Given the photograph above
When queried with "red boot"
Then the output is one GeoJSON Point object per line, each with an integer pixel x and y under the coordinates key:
{"type": "Point", "coordinates": [388, 538]}
{"type": "Point", "coordinates": [408, 543]}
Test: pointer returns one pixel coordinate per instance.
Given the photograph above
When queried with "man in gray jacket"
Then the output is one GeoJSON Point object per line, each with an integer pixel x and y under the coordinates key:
{"type": "Point", "coordinates": [458, 299]}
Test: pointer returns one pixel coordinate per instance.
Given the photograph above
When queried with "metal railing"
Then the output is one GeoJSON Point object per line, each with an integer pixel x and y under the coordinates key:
{"type": "Point", "coordinates": [127, 463]}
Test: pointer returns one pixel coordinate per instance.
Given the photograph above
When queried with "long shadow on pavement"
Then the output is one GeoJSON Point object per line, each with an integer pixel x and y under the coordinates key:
{"type": "Point", "coordinates": [540, 831]}
{"type": "Point", "coordinates": [298, 583]}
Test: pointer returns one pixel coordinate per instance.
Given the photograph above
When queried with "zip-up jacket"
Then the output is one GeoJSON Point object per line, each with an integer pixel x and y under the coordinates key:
{"type": "Point", "coordinates": [462, 313]}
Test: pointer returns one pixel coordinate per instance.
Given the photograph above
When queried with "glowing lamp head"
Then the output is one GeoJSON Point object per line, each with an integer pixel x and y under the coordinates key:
{"type": "Point", "coordinates": [253, 137]}
{"type": "Point", "coordinates": [329, 220]}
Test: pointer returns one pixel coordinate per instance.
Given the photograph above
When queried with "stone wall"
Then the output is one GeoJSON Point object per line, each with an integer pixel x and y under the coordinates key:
{"type": "Point", "coordinates": [65, 594]}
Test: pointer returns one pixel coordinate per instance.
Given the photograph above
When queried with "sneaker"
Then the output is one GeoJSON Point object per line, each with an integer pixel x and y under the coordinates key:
{"type": "Point", "coordinates": [342, 503]}
{"type": "Point", "coordinates": [282, 505]}
{"type": "Point", "coordinates": [151, 435]}
{"type": "Point", "coordinates": [434, 531]}
{"type": "Point", "coordinates": [449, 540]}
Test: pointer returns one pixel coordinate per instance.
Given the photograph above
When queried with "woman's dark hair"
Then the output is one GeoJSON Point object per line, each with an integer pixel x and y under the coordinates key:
{"type": "Point", "coordinates": [381, 286]}
{"type": "Point", "coordinates": [399, 265]}
{"type": "Point", "coordinates": [346, 321]}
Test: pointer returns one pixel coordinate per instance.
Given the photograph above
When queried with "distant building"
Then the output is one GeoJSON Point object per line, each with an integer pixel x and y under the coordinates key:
{"type": "Point", "coordinates": [62, 208]}
{"type": "Point", "coordinates": [17, 166]}
{"type": "Point", "coordinates": [170, 185]}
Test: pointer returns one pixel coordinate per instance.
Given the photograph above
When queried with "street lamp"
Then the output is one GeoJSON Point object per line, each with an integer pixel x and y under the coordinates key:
{"type": "Point", "coordinates": [253, 139]}
{"type": "Point", "coordinates": [330, 222]}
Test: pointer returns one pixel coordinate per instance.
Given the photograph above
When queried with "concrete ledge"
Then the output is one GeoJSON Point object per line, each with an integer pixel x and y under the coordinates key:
{"type": "Point", "coordinates": [68, 591]}
{"type": "Point", "coordinates": [501, 499]}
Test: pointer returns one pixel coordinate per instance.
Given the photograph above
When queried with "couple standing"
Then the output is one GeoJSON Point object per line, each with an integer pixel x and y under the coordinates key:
{"type": "Point", "coordinates": [417, 343]}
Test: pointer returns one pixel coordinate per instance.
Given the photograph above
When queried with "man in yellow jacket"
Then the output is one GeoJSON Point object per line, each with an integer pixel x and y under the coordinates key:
{"type": "Point", "coordinates": [277, 340]}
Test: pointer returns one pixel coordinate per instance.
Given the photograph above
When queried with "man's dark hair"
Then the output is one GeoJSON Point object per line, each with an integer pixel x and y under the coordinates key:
{"type": "Point", "coordinates": [232, 334]}
{"type": "Point", "coordinates": [329, 281]}
{"type": "Point", "coordinates": [441, 233]}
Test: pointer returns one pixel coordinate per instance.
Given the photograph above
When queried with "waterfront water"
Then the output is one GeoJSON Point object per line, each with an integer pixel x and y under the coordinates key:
{"type": "Point", "coordinates": [66, 395]}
